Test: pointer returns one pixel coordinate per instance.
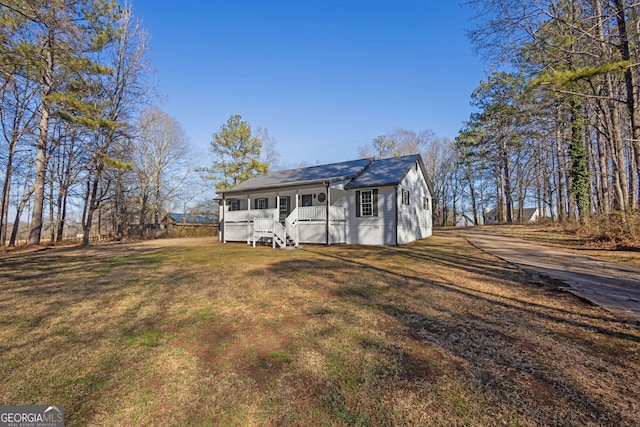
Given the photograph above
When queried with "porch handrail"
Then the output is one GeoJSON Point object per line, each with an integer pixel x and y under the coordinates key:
{"type": "Point", "coordinates": [292, 230]}
{"type": "Point", "coordinates": [312, 213]}
{"type": "Point", "coordinates": [279, 234]}
{"type": "Point", "coordinates": [293, 216]}
{"type": "Point", "coordinates": [248, 216]}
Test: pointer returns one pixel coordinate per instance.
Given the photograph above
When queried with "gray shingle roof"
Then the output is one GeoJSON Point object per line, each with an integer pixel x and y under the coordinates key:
{"type": "Point", "coordinates": [384, 172]}
{"type": "Point", "coordinates": [309, 175]}
{"type": "Point", "coordinates": [358, 173]}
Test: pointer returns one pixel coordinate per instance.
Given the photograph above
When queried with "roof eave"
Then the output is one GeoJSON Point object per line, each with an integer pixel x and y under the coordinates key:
{"type": "Point", "coordinates": [281, 186]}
{"type": "Point", "coordinates": [369, 185]}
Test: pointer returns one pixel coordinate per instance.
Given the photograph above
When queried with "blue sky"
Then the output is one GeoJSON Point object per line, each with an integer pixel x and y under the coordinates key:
{"type": "Point", "coordinates": [324, 77]}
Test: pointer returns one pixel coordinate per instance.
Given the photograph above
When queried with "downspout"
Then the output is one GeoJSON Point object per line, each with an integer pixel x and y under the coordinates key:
{"type": "Point", "coordinates": [327, 222]}
{"type": "Point", "coordinates": [396, 213]}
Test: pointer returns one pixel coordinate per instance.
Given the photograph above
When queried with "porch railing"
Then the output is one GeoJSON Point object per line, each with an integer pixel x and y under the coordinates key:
{"type": "Point", "coordinates": [265, 223]}
{"type": "Point", "coordinates": [291, 230]}
{"type": "Point", "coordinates": [270, 228]}
{"type": "Point", "coordinates": [307, 213]}
{"type": "Point", "coordinates": [247, 216]}
{"type": "Point", "coordinates": [319, 213]}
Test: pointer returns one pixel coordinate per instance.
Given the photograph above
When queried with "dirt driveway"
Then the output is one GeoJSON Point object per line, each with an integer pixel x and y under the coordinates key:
{"type": "Point", "coordinates": [615, 287]}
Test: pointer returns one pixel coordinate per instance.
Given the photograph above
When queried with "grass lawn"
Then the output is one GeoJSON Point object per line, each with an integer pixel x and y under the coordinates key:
{"type": "Point", "coordinates": [194, 332]}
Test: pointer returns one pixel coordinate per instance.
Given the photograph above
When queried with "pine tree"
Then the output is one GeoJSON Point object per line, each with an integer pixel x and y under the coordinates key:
{"type": "Point", "coordinates": [57, 43]}
{"type": "Point", "coordinates": [237, 154]}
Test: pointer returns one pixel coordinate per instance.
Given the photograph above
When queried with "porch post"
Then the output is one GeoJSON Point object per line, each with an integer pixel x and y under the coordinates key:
{"type": "Point", "coordinates": [249, 223]}
{"type": "Point", "coordinates": [277, 218]}
{"type": "Point", "coordinates": [224, 222]}
{"type": "Point", "coordinates": [327, 215]}
{"type": "Point", "coordinates": [395, 208]}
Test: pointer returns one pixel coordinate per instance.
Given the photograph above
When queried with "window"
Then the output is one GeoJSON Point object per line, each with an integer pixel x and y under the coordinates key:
{"type": "Point", "coordinates": [425, 204]}
{"type": "Point", "coordinates": [405, 197]}
{"type": "Point", "coordinates": [261, 203]}
{"type": "Point", "coordinates": [234, 205]}
{"type": "Point", "coordinates": [367, 203]}
{"type": "Point", "coordinates": [284, 206]}
{"type": "Point", "coordinates": [307, 200]}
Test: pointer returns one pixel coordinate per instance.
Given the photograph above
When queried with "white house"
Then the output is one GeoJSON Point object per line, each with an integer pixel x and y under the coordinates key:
{"type": "Point", "coordinates": [529, 215]}
{"type": "Point", "coordinates": [366, 201]}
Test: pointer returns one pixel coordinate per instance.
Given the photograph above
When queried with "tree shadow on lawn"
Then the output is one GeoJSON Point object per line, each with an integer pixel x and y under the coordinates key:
{"type": "Point", "coordinates": [73, 319]}
{"type": "Point", "coordinates": [501, 361]}
{"type": "Point", "coordinates": [494, 271]}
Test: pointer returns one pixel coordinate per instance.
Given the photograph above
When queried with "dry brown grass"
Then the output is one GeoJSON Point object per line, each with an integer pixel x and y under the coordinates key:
{"type": "Point", "coordinates": [193, 332]}
{"type": "Point", "coordinates": [590, 240]}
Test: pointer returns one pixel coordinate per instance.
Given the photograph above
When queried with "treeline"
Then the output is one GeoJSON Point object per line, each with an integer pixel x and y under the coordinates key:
{"type": "Point", "coordinates": [77, 130]}
{"type": "Point", "coordinates": [559, 128]}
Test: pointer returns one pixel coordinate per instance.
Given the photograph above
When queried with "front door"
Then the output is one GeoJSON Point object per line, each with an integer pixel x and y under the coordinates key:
{"type": "Point", "coordinates": [284, 207]}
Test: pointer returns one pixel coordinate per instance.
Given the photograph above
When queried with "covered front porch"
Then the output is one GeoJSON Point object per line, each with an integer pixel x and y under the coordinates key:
{"type": "Point", "coordinates": [250, 220]}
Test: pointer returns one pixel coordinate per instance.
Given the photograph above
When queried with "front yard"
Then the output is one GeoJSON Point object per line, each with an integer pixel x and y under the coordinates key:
{"type": "Point", "coordinates": [194, 332]}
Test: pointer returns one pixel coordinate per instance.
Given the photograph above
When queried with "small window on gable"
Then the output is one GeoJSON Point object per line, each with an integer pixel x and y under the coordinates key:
{"type": "Point", "coordinates": [261, 203]}
{"type": "Point", "coordinates": [405, 197]}
{"type": "Point", "coordinates": [425, 204]}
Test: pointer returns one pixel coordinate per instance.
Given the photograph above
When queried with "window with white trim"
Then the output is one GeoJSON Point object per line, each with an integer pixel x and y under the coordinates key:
{"type": "Point", "coordinates": [234, 205]}
{"type": "Point", "coordinates": [425, 204]}
{"type": "Point", "coordinates": [366, 203]}
{"type": "Point", "coordinates": [261, 203]}
{"type": "Point", "coordinates": [405, 197]}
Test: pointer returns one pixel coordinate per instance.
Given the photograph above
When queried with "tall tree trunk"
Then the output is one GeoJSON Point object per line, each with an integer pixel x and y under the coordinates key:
{"type": "Point", "coordinates": [6, 189]}
{"type": "Point", "coordinates": [580, 178]}
{"type": "Point", "coordinates": [92, 205]}
{"type": "Point", "coordinates": [41, 146]}
{"type": "Point", "coordinates": [507, 186]}
{"type": "Point", "coordinates": [62, 215]}
{"type": "Point", "coordinates": [562, 185]}
{"type": "Point", "coordinates": [143, 211]}
{"type": "Point", "coordinates": [635, 183]}
{"type": "Point", "coordinates": [39, 184]}
{"type": "Point", "coordinates": [630, 81]}
{"type": "Point", "coordinates": [52, 224]}
{"type": "Point", "coordinates": [472, 193]}
{"type": "Point", "coordinates": [19, 210]}
{"type": "Point", "coordinates": [611, 119]}
{"type": "Point", "coordinates": [604, 189]}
